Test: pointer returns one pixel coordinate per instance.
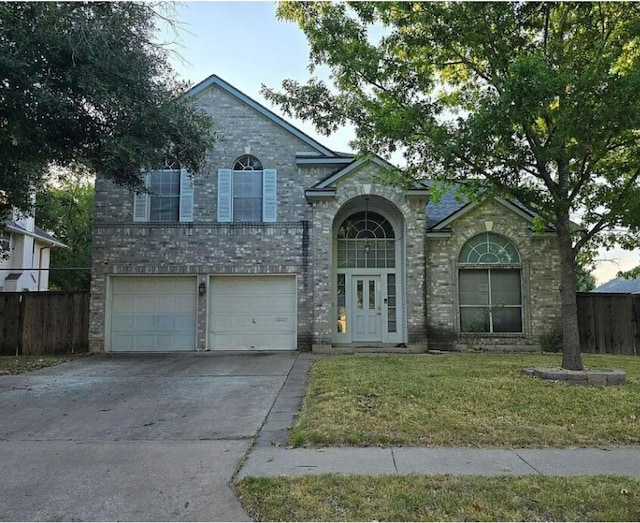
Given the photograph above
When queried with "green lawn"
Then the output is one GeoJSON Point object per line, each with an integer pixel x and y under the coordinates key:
{"type": "Point", "coordinates": [464, 400]}
{"type": "Point", "coordinates": [440, 498]}
{"type": "Point", "coordinates": [21, 364]}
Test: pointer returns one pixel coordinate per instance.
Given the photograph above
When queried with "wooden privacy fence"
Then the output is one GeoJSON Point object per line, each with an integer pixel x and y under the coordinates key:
{"type": "Point", "coordinates": [609, 323]}
{"type": "Point", "coordinates": [44, 322]}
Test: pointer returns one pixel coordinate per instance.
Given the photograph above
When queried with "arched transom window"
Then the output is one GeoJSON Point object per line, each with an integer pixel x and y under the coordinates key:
{"type": "Point", "coordinates": [247, 163]}
{"type": "Point", "coordinates": [366, 240]}
{"type": "Point", "coordinates": [490, 286]}
{"type": "Point", "coordinates": [489, 248]}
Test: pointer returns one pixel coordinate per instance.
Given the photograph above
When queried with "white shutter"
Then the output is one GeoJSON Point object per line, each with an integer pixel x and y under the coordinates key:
{"type": "Point", "coordinates": [269, 196]}
{"type": "Point", "coordinates": [186, 196]}
{"type": "Point", "coordinates": [224, 195]}
{"type": "Point", "coordinates": [141, 204]}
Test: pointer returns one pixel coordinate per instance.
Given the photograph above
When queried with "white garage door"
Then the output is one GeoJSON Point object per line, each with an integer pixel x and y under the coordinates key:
{"type": "Point", "coordinates": [252, 312]}
{"type": "Point", "coordinates": [153, 313]}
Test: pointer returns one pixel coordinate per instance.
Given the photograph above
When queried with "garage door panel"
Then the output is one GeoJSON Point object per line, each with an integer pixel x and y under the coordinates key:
{"type": "Point", "coordinates": [143, 303]}
{"type": "Point", "coordinates": [144, 342]}
{"type": "Point", "coordinates": [142, 323]}
{"type": "Point", "coordinates": [122, 342]}
{"type": "Point", "coordinates": [153, 313]}
{"type": "Point", "coordinates": [122, 304]}
{"type": "Point", "coordinates": [167, 323]}
{"type": "Point", "coordinates": [183, 323]}
{"type": "Point", "coordinates": [184, 341]}
{"type": "Point", "coordinates": [122, 323]}
{"type": "Point", "coordinates": [252, 312]}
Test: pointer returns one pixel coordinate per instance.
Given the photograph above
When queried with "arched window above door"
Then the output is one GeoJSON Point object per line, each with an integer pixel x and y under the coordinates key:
{"type": "Point", "coordinates": [366, 240]}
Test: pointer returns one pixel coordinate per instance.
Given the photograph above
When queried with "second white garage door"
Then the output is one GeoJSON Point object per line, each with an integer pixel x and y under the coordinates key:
{"type": "Point", "coordinates": [252, 313]}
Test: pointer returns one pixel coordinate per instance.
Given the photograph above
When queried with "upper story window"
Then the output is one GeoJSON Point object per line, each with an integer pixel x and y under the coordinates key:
{"type": "Point", "coordinates": [170, 197]}
{"type": "Point", "coordinates": [5, 246]}
{"type": "Point", "coordinates": [247, 193]}
{"type": "Point", "coordinates": [489, 281]}
{"type": "Point", "coordinates": [247, 189]}
{"type": "Point", "coordinates": [366, 240]}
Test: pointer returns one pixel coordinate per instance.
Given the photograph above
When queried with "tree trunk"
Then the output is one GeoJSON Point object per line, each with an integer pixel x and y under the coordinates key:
{"type": "Point", "coordinates": [571, 358]}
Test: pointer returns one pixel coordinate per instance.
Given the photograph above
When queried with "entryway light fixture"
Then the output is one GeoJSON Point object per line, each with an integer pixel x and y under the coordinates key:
{"type": "Point", "coordinates": [202, 288]}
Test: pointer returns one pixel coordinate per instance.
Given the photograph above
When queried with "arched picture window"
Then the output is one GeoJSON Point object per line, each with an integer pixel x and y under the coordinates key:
{"type": "Point", "coordinates": [490, 287]}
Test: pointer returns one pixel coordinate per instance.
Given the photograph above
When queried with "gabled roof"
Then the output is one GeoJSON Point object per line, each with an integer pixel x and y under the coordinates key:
{"type": "Point", "coordinates": [327, 182]}
{"type": "Point", "coordinates": [216, 81]}
{"type": "Point", "coordinates": [37, 233]}
{"type": "Point", "coordinates": [452, 205]}
{"type": "Point", "coordinates": [325, 189]}
{"type": "Point", "coordinates": [620, 285]}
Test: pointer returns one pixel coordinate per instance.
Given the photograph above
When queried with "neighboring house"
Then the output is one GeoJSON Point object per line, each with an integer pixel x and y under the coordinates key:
{"type": "Point", "coordinates": [24, 257]}
{"type": "Point", "coordinates": [282, 243]}
{"type": "Point", "coordinates": [620, 285]}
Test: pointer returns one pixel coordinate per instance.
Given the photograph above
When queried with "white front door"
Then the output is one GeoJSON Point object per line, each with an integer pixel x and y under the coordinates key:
{"type": "Point", "coordinates": [366, 308]}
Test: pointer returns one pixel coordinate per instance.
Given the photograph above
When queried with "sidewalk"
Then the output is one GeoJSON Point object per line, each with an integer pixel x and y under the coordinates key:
{"type": "Point", "coordinates": [278, 461]}
{"type": "Point", "coordinates": [271, 457]}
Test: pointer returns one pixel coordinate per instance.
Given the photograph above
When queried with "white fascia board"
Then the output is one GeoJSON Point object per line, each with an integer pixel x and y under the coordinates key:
{"type": "Point", "coordinates": [323, 161]}
{"type": "Point", "coordinates": [42, 239]}
{"type": "Point", "coordinates": [417, 192]}
{"type": "Point", "coordinates": [316, 195]}
{"type": "Point", "coordinates": [438, 235]}
{"type": "Point", "coordinates": [217, 81]}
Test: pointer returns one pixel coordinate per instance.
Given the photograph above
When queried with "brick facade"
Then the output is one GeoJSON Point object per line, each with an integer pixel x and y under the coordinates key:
{"type": "Point", "coordinates": [302, 241]}
{"type": "Point", "coordinates": [540, 275]}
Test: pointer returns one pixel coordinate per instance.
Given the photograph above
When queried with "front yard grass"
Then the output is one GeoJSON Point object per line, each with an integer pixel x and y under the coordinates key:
{"type": "Point", "coordinates": [474, 400]}
{"type": "Point", "coordinates": [440, 498]}
{"type": "Point", "coordinates": [21, 364]}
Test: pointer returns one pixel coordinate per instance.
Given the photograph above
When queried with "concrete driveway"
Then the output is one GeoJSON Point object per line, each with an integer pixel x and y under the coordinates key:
{"type": "Point", "coordinates": [150, 437]}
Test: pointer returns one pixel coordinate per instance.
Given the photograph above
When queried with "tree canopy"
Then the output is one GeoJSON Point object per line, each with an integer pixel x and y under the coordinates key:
{"type": "Point", "coordinates": [84, 82]}
{"type": "Point", "coordinates": [528, 100]}
{"type": "Point", "coordinates": [64, 208]}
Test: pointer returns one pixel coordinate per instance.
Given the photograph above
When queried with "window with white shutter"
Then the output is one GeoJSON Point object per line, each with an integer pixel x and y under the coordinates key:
{"type": "Point", "coordinates": [247, 193]}
{"type": "Point", "coordinates": [170, 197]}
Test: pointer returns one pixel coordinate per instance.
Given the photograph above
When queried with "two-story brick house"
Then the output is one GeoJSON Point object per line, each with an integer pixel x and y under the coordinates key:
{"type": "Point", "coordinates": [281, 243]}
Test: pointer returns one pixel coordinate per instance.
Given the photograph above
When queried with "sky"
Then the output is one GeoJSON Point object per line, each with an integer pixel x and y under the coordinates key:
{"type": "Point", "coordinates": [245, 44]}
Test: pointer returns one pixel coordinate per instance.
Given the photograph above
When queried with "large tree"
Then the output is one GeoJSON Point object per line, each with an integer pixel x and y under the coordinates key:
{"type": "Point", "coordinates": [85, 82]}
{"type": "Point", "coordinates": [533, 101]}
{"type": "Point", "coordinates": [64, 208]}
